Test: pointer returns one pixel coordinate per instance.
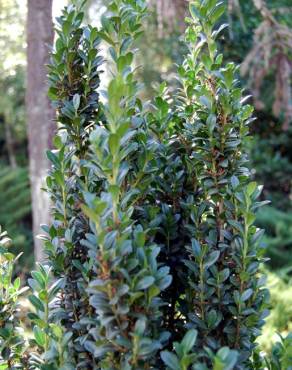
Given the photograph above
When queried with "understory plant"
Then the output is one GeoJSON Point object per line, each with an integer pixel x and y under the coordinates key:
{"type": "Point", "coordinates": [47, 349]}
{"type": "Point", "coordinates": [12, 342]}
{"type": "Point", "coordinates": [49, 344]}
{"type": "Point", "coordinates": [281, 354]}
{"type": "Point", "coordinates": [152, 244]}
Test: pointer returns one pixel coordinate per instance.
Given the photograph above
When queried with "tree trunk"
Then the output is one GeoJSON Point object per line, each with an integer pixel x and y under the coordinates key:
{"type": "Point", "coordinates": [170, 13]}
{"type": "Point", "coordinates": [9, 144]}
{"type": "Point", "coordinates": [40, 114]}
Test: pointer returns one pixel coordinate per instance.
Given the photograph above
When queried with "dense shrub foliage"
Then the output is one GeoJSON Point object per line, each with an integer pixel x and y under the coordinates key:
{"type": "Point", "coordinates": [11, 337]}
{"type": "Point", "coordinates": [224, 292]}
{"type": "Point", "coordinates": [153, 257]}
{"type": "Point", "coordinates": [182, 205]}
{"type": "Point", "coordinates": [125, 294]}
{"type": "Point", "coordinates": [74, 78]}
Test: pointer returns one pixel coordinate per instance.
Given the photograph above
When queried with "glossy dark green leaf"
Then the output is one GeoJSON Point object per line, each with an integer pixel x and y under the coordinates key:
{"type": "Point", "coordinates": [170, 360]}
{"type": "Point", "coordinates": [145, 283]}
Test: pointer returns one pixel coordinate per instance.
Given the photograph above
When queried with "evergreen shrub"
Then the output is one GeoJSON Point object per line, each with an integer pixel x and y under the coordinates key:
{"type": "Point", "coordinates": [154, 212]}
{"type": "Point", "coordinates": [153, 242]}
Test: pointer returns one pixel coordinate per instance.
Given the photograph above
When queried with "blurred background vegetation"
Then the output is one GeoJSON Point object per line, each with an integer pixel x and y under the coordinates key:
{"type": "Point", "coordinates": [259, 38]}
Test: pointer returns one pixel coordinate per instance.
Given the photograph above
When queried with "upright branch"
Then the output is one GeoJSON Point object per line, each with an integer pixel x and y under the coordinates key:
{"type": "Point", "coordinates": [74, 78]}
{"type": "Point", "coordinates": [226, 300]}
{"type": "Point", "coordinates": [125, 294]}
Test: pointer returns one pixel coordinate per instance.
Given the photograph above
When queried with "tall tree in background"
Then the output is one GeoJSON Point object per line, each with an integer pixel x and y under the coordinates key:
{"type": "Point", "coordinates": [271, 58]}
{"type": "Point", "coordinates": [40, 115]}
{"type": "Point", "coordinates": [170, 13]}
{"type": "Point", "coordinates": [12, 60]}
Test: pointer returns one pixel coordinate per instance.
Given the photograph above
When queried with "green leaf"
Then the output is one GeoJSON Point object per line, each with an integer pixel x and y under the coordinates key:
{"type": "Point", "coordinates": [170, 360]}
{"type": "Point", "coordinates": [76, 102]}
{"type": "Point", "coordinates": [217, 12]}
{"type": "Point", "coordinates": [43, 295]}
{"type": "Point", "coordinates": [211, 259]}
{"type": "Point", "coordinates": [211, 318]}
{"type": "Point", "coordinates": [207, 61]}
{"type": "Point", "coordinates": [53, 93]}
{"type": "Point", "coordinates": [56, 287]}
{"type": "Point", "coordinates": [250, 219]}
{"type": "Point", "coordinates": [90, 213]}
{"type": "Point", "coordinates": [140, 239]}
{"type": "Point", "coordinates": [225, 359]}
{"type": "Point", "coordinates": [39, 278]}
{"type": "Point", "coordinates": [37, 303]}
{"type": "Point", "coordinates": [93, 34]}
{"type": "Point", "coordinates": [196, 248]}
{"type": "Point", "coordinates": [140, 326]}
{"type": "Point", "coordinates": [224, 274]}
{"type": "Point", "coordinates": [104, 36]}
{"type": "Point", "coordinates": [153, 292]}
{"type": "Point", "coordinates": [234, 182]}
{"type": "Point", "coordinates": [246, 295]}
{"type": "Point", "coordinates": [39, 336]}
{"type": "Point", "coordinates": [66, 28]}
{"type": "Point", "coordinates": [211, 122]}
{"type": "Point", "coordinates": [92, 55]}
{"type": "Point", "coordinates": [194, 11]}
{"type": "Point", "coordinates": [126, 44]}
{"type": "Point", "coordinates": [145, 283]}
{"type": "Point", "coordinates": [189, 340]}
{"type": "Point", "coordinates": [123, 62]}
{"type": "Point", "coordinates": [228, 75]}
{"type": "Point", "coordinates": [57, 142]}
{"type": "Point", "coordinates": [53, 158]}
{"type": "Point", "coordinates": [16, 283]}
{"type": "Point", "coordinates": [236, 297]}
{"type": "Point", "coordinates": [251, 187]}
{"type": "Point", "coordinates": [100, 206]}
{"type": "Point", "coordinates": [215, 35]}
{"type": "Point", "coordinates": [59, 178]}
{"type": "Point", "coordinates": [105, 22]}
{"type": "Point", "coordinates": [206, 102]}
{"type": "Point", "coordinates": [162, 105]}
{"type": "Point", "coordinates": [237, 225]}
{"type": "Point", "coordinates": [57, 330]}
{"type": "Point", "coordinates": [114, 144]}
